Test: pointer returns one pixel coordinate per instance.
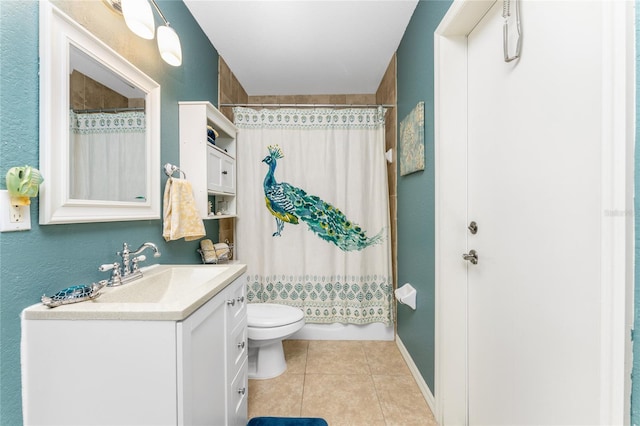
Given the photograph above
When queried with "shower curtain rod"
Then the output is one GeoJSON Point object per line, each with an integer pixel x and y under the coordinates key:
{"type": "Point", "coordinates": [88, 111]}
{"type": "Point", "coordinates": [311, 105]}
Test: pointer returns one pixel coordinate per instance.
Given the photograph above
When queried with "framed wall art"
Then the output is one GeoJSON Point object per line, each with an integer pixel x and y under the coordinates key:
{"type": "Point", "coordinates": [412, 141]}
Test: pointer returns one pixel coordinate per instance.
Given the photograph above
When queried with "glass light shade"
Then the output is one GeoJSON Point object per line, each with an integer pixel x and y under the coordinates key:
{"type": "Point", "coordinates": [169, 45]}
{"type": "Point", "coordinates": [139, 17]}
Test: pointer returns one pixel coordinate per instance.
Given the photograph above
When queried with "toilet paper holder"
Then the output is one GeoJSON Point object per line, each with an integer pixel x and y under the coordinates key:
{"type": "Point", "coordinates": [406, 295]}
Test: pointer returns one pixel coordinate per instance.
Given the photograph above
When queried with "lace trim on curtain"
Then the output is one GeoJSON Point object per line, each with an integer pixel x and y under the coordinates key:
{"type": "Point", "coordinates": [311, 118]}
{"type": "Point", "coordinates": [98, 123]}
{"type": "Point", "coordinates": [328, 299]}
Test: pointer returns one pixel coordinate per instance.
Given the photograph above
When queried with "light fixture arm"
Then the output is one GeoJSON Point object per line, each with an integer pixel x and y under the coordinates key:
{"type": "Point", "coordinates": [157, 8]}
{"type": "Point", "coordinates": [116, 5]}
{"type": "Point", "coordinates": [141, 21]}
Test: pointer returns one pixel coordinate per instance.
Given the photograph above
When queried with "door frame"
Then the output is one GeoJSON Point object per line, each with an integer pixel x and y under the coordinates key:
{"type": "Point", "coordinates": [616, 191]}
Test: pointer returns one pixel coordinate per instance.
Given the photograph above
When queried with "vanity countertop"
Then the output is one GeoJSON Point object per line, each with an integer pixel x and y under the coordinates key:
{"type": "Point", "coordinates": [164, 293]}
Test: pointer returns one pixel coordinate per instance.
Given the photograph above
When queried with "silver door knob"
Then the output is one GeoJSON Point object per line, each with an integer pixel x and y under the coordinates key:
{"type": "Point", "coordinates": [472, 257]}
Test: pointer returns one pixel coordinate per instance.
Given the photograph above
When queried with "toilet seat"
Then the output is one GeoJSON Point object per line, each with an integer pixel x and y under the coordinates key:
{"type": "Point", "coordinates": [268, 315]}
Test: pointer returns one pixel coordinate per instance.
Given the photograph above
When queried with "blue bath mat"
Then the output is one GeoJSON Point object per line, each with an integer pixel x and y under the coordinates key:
{"type": "Point", "coordinates": [287, 421]}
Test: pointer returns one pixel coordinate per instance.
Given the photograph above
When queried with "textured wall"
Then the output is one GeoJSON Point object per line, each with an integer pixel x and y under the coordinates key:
{"type": "Point", "coordinates": [230, 91]}
{"type": "Point", "coordinates": [49, 258]}
{"type": "Point", "coordinates": [416, 202]}
{"type": "Point", "coordinates": [19, 146]}
{"type": "Point", "coordinates": [86, 93]}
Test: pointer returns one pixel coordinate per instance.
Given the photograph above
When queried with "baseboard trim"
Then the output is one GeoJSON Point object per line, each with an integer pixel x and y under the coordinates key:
{"type": "Point", "coordinates": [422, 385]}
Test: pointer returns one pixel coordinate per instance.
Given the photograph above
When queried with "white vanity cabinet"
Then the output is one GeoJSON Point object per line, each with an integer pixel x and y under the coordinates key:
{"type": "Point", "coordinates": [209, 168]}
{"type": "Point", "coordinates": [139, 372]}
{"type": "Point", "coordinates": [208, 400]}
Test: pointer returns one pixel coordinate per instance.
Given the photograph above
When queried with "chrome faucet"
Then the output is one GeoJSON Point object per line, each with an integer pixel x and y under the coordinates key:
{"type": "Point", "coordinates": [130, 259]}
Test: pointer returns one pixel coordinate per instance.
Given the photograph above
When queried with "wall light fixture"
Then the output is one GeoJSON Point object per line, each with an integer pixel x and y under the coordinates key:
{"type": "Point", "coordinates": [139, 18]}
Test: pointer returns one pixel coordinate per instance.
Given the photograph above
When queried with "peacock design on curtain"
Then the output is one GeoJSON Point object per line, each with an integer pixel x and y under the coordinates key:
{"type": "Point", "coordinates": [323, 178]}
{"type": "Point", "coordinates": [289, 204]}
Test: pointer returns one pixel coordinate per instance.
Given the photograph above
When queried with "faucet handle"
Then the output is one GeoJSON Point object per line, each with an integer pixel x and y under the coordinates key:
{"type": "Point", "coordinates": [116, 277]}
{"type": "Point", "coordinates": [137, 259]}
{"type": "Point", "coordinates": [109, 266]}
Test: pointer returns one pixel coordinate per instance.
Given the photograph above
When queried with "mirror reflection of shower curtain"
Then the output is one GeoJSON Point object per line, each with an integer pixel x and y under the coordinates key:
{"type": "Point", "coordinates": [107, 156]}
{"type": "Point", "coordinates": [329, 185]}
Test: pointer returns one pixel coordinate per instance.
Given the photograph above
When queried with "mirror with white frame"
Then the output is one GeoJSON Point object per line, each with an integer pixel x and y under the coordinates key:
{"type": "Point", "coordinates": [99, 129]}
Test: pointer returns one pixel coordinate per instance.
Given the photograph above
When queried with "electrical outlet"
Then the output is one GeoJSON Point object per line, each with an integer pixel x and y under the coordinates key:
{"type": "Point", "coordinates": [13, 217]}
{"type": "Point", "coordinates": [15, 213]}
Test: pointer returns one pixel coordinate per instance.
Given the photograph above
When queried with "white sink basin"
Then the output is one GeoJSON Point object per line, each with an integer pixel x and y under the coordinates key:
{"type": "Point", "coordinates": [167, 285]}
{"type": "Point", "coordinates": [165, 292]}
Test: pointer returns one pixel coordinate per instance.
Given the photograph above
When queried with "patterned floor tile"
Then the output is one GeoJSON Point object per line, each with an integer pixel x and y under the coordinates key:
{"type": "Point", "coordinates": [402, 402]}
{"type": "Point", "coordinates": [346, 399]}
{"type": "Point", "coordinates": [336, 357]}
{"type": "Point", "coordinates": [280, 396]}
{"type": "Point", "coordinates": [348, 383]}
{"type": "Point", "coordinates": [295, 353]}
{"type": "Point", "coordinates": [385, 358]}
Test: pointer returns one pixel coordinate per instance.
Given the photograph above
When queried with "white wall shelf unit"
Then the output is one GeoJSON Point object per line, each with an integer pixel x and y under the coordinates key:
{"type": "Point", "coordinates": [211, 169]}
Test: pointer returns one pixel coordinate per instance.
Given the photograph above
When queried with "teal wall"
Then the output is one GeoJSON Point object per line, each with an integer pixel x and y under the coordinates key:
{"type": "Point", "coordinates": [416, 200]}
{"type": "Point", "coordinates": [49, 258]}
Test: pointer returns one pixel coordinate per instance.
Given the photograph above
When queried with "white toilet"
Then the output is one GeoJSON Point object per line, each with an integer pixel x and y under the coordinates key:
{"type": "Point", "coordinates": [268, 325]}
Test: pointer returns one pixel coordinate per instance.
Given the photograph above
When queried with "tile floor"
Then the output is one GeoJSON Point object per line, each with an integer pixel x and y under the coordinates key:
{"type": "Point", "coordinates": [345, 382]}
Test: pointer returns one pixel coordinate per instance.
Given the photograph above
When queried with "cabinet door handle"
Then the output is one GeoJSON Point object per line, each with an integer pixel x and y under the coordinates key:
{"type": "Point", "coordinates": [224, 172]}
{"type": "Point", "coordinates": [240, 299]}
{"type": "Point", "coordinates": [231, 302]}
{"type": "Point", "coordinates": [242, 391]}
{"type": "Point", "coordinates": [241, 345]}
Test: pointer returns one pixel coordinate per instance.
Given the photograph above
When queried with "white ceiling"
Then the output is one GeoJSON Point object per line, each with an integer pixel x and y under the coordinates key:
{"type": "Point", "coordinates": [305, 47]}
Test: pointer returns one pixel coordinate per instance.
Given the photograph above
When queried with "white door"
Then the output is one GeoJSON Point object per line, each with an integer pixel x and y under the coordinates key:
{"type": "Point", "coordinates": [534, 158]}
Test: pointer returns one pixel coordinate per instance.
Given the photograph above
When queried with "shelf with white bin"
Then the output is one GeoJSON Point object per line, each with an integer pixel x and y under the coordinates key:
{"type": "Point", "coordinates": [210, 168]}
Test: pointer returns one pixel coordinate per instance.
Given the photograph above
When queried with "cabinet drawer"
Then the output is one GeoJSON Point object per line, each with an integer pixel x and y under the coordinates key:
{"type": "Point", "coordinates": [237, 304]}
{"type": "Point", "coordinates": [237, 349]}
{"type": "Point", "coordinates": [238, 397]}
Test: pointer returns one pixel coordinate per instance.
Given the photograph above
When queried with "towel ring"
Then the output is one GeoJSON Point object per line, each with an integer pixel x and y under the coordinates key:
{"type": "Point", "coordinates": [170, 169]}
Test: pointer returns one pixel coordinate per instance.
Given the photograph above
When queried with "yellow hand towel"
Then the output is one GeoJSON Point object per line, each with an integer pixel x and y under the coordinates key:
{"type": "Point", "coordinates": [181, 217]}
{"type": "Point", "coordinates": [222, 251]}
{"type": "Point", "coordinates": [208, 251]}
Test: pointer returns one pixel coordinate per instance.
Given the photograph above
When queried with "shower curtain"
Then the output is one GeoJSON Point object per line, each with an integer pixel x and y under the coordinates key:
{"type": "Point", "coordinates": [107, 156]}
{"type": "Point", "coordinates": [313, 224]}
